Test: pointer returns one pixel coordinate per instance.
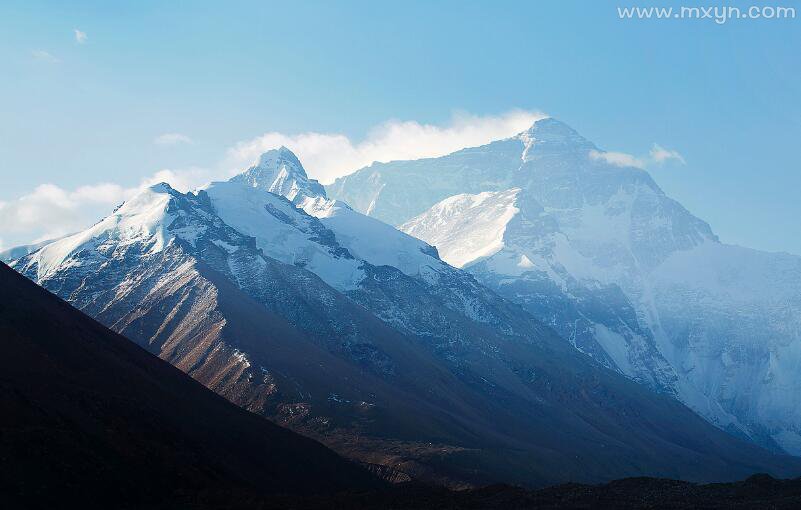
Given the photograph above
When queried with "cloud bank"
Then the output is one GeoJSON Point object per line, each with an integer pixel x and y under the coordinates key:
{"type": "Point", "coordinates": [327, 156]}
{"type": "Point", "coordinates": [50, 211]}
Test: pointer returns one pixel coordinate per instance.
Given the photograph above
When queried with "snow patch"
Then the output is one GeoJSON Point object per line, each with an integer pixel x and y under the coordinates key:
{"type": "Point", "coordinates": [466, 228]}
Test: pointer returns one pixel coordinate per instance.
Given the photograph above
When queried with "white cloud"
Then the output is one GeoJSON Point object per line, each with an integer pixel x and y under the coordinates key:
{"type": "Point", "coordinates": [183, 180]}
{"type": "Point", "coordinates": [50, 211]}
{"type": "Point", "coordinates": [658, 155]}
{"type": "Point", "coordinates": [80, 37]}
{"type": "Point", "coordinates": [327, 156]}
{"type": "Point", "coordinates": [172, 139]}
{"type": "Point", "coordinates": [44, 56]}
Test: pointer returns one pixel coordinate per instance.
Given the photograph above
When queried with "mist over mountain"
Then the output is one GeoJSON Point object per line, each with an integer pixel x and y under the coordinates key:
{"type": "Point", "coordinates": [625, 273]}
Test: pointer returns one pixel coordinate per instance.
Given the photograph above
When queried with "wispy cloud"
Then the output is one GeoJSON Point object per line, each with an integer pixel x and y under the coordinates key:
{"type": "Point", "coordinates": [172, 139]}
{"type": "Point", "coordinates": [80, 37]}
{"type": "Point", "coordinates": [44, 56]}
{"type": "Point", "coordinates": [327, 156]}
{"type": "Point", "coordinates": [658, 155]}
{"type": "Point", "coordinates": [617, 158]}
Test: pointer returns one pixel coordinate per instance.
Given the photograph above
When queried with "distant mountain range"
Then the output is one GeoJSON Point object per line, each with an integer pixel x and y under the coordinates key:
{"type": "Point", "coordinates": [299, 308]}
{"type": "Point", "coordinates": [625, 273]}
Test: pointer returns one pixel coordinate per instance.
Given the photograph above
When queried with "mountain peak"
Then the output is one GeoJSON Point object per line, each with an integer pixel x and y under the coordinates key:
{"type": "Point", "coordinates": [162, 187]}
{"type": "Point", "coordinates": [281, 155]}
{"type": "Point", "coordinates": [551, 129]}
{"type": "Point", "coordinates": [548, 123]}
{"type": "Point", "coordinates": [553, 135]}
{"type": "Point", "coordinates": [280, 171]}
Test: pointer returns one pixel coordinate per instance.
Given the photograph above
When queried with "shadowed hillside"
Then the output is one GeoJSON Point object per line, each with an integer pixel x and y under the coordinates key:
{"type": "Point", "coordinates": [90, 417]}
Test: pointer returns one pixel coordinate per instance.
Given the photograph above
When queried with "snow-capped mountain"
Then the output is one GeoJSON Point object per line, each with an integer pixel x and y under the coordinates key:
{"type": "Point", "coordinates": [624, 272]}
{"type": "Point", "coordinates": [259, 213]}
{"type": "Point", "coordinates": [284, 173]}
{"type": "Point", "coordinates": [414, 366]}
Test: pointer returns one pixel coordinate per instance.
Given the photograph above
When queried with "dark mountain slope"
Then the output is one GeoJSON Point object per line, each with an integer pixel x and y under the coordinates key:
{"type": "Point", "coordinates": [89, 416]}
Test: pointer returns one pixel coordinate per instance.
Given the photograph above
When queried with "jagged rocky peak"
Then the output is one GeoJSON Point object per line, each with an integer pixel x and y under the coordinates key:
{"type": "Point", "coordinates": [162, 187]}
{"type": "Point", "coordinates": [280, 171]}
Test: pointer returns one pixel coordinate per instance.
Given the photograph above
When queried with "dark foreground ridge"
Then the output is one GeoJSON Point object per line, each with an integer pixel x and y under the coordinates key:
{"type": "Point", "coordinates": [757, 492]}
{"type": "Point", "coordinates": [89, 419]}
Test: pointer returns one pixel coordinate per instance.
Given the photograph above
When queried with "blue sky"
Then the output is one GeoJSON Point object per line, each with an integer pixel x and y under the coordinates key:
{"type": "Point", "coordinates": [77, 114]}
